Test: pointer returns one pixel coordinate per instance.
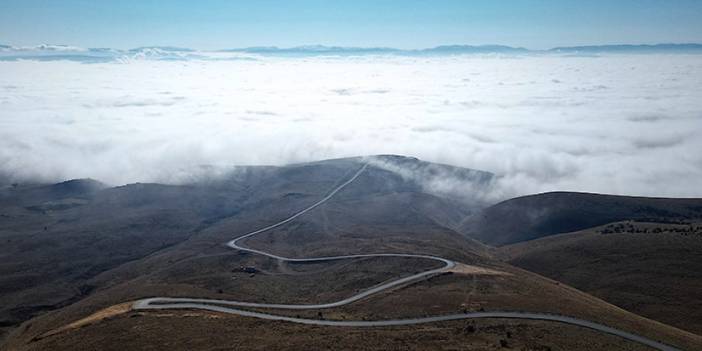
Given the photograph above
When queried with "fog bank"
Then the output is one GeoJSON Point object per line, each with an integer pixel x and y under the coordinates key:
{"type": "Point", "coordinates": [623, 124]}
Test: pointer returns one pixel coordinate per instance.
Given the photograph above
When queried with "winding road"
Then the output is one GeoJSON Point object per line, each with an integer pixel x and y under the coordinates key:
{"type": "Point", "coordinates": [224, 305]}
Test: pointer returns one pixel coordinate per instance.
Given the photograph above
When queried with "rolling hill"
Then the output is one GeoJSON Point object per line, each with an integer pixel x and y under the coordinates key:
{"type": "Point", "coordinates": [71, 273]}
{"type": "Point", "coordinates": [58, 237]}
{"type": "Point", "coordinates": [652, 269]}
{"type": "Point", "coordinates": [534, 216]}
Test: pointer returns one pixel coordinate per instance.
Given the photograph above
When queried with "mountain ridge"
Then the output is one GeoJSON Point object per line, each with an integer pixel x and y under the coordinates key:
{"type": "Point", "coordinates": [48, 52]}
{"type": "Point", "coordinates": [535, 216]}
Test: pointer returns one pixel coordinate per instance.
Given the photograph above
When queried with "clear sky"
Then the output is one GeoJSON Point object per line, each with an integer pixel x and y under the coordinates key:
{"type": "Point", "coordinates": [216, 24]}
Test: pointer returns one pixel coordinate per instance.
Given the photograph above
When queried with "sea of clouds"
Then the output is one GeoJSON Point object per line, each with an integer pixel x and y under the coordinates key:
{"type": "Point", "coordinates": [624, 124]}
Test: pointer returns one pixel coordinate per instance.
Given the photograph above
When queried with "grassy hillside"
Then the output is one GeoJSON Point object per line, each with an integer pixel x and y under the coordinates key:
{"type": "Point", "coordinates": [389, 208]}
{"type": "Point", "coordinates": [59, 239]}
{"type": "Point", "coordinates": [651, 269]}
{"type": "Point", "coordinates": [531, 217]}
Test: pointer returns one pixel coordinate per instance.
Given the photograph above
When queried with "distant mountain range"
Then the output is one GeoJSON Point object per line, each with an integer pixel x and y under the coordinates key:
{"type": "Point", "coordinates": [678, 48]}
{"type": "Point", "coordinates": [320, 49]}
{"type": "Point", "coordinates": [46, 52]}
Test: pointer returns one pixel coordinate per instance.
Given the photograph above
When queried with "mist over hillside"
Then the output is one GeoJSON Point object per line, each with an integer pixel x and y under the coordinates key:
{"type": "Point", "coordinates": [350, 175]}
{"type": "Point", "coordinates": [581, 119]}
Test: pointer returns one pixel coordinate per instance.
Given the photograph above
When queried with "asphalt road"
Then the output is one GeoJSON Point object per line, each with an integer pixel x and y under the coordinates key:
{"type": "Point", "coordinates": [222, 305]}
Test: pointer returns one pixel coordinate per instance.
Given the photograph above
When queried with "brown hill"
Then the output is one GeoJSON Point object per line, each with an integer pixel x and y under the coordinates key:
{"type": "Point", "coordinates": [168, 241]}
{"type": "Point", "coordinates": [535, 216]}
{"type": "Point", "coordinates": [651, 269]}
{"type": "Point", "coordinates": [57, 239]}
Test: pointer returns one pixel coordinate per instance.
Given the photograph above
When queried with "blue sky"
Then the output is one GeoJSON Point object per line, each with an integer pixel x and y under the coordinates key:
{"type": "Point", "coordinates": [214, 24]}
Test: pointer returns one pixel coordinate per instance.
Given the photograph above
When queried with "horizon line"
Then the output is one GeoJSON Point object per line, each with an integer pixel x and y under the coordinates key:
{"type": "Point", "coordinates": [70, 47]}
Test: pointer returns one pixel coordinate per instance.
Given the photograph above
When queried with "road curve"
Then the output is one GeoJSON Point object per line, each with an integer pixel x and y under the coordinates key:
{"type": "Point", "coordinates": [221, 305]}
{"type": "Point", "coordinates": [145, 304]}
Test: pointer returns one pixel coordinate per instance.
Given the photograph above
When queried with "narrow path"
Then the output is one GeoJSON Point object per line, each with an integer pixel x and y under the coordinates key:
{"type": "Point", "coordinates": [219, 305]}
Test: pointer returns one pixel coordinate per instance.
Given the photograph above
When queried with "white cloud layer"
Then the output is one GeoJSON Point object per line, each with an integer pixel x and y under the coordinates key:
{"type": "Point", "coordinates": [625, 124]}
